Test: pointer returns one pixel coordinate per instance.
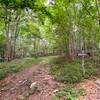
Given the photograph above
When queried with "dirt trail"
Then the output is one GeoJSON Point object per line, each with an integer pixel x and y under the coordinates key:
{"type": "Point", "coordinates": [17, 85]}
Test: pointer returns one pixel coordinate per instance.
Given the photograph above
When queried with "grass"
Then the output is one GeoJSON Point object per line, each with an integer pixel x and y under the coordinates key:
{"type": "Point", "coordinates": [69, 93]}
{"type": "Point", "coordinates": [71, 72]}
{"type": "Point", "coordinates": [15, 66]}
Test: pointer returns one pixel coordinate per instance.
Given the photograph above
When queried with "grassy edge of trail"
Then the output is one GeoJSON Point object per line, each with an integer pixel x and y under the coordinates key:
{"type": "Point", "coordinates": [70, 73]}
{"type": "Point", "coordinates": [16, 66]}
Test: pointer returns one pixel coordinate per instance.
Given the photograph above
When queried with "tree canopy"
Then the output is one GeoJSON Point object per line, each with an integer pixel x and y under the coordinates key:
{"type": "Point", "coordinates": [66, 25]}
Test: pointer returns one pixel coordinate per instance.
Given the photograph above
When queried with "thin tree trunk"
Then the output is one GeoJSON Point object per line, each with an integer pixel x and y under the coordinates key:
{"type": "Point", "coordinates": [97, 6]}
{"type": "Point", "coordinates": [14, 33]}
{"type": "Point", "coordinates": [7, 28]}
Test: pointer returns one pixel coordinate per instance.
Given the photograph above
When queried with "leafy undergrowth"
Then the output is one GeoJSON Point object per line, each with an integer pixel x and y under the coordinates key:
{"type": "Point", "coordinates": [69, 93]}
{"type": "Point", "coordinates": [15, 66]}
{"type": "Point", "coordinates": [71, 72]}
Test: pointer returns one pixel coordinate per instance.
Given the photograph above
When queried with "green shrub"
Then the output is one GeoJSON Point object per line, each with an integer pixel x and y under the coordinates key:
{"type": "Point", "coordinates": [82, 92]}
{"type": "Point", "coordinates": [14, 67]}
{"type": "Point", "coordinates": [71, 72]}
{"type": "Point", "coordinates": [70, 93]}
{"type": "Point", "coordinates": [3, 73]}
{"type": "Point", "coordinates": [67, 73]}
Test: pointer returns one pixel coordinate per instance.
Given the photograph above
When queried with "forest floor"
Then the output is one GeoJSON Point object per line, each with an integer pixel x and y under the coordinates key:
{"type": "Point", "coordinates": [92, 88]}
{"type": "Point", "coordinates": [16, 86]}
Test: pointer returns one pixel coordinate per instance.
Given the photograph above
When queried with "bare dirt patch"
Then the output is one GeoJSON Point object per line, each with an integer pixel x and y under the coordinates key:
{"type": "Point", "coordinates": [92, 90]}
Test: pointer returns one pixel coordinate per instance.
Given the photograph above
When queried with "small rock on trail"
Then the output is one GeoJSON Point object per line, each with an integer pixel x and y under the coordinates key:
{"type": "Point", "coordinates": [97, 82]}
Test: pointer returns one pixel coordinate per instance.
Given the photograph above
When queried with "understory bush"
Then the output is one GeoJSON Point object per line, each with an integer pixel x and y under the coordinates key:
{"type": "Point", "coordinates": [71, 72]}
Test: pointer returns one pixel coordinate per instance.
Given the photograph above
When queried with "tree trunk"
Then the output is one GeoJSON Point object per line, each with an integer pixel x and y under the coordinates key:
{"type": "Point", "coordinates": [7, 28]}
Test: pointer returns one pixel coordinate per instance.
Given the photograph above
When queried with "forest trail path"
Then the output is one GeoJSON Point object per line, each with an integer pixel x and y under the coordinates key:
{"type": "Point", "coordinates": [16, 86]}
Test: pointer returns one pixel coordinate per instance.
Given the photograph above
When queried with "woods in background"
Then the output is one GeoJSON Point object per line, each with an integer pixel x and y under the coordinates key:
{"type": "Point", "coordinates": [34, 26]}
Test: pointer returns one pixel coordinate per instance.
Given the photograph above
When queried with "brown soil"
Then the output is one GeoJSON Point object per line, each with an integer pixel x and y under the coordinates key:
{"type": "Point", "coordinates": [92, 90]}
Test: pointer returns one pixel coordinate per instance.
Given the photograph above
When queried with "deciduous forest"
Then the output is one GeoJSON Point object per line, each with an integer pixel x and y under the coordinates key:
{"type": "Point", "coordinates": [49, 50]}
